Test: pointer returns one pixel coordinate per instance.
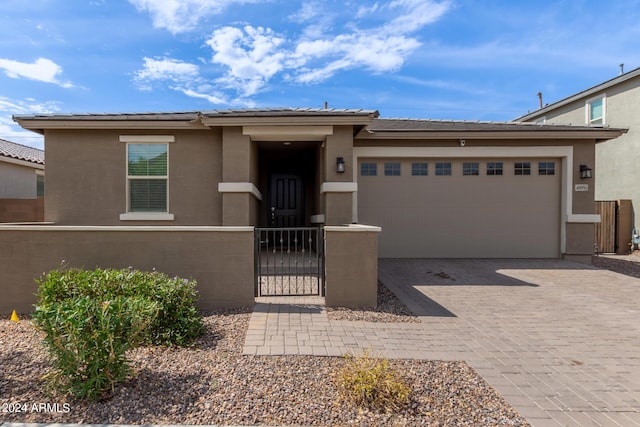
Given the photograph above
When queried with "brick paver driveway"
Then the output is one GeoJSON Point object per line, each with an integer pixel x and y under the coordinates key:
{"type": "Point", "coordinates": [560, 341]}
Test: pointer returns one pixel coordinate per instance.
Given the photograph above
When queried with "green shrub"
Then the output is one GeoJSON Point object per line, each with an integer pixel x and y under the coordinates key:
{"type": "Point", "coordinates": [178, 321]}
{"type": "Point", "coordinates": [372, 383]}
{"type": "Point", "coordinates": [88, 338]}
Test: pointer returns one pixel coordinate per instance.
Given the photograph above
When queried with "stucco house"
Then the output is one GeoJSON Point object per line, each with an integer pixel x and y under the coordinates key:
{"type": "Point", "coordinates": [21, 182]}
{"type": "Point", "coordinates": [186, 192]}
{"type": "Point", "coordinates": [613, 103]}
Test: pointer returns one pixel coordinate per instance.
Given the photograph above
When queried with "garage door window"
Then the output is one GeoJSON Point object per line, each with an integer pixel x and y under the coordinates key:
{"type": "Point", "coordinates": [419, 169]}
{"type": "Point", "coordinates": [494, 168]}
{"type": "Point", "coordinates": [522, 168]}
{"type": "Point", "coordinates": [443, 169]}
{"type": "Point", "coordinates": [546, 168]}
{"type": "Point", "coordinates": [392, 169]}
{"type": "Point", "coordinates": [368, 169]}
{"type": "Point", "coordinates": [471, 168]}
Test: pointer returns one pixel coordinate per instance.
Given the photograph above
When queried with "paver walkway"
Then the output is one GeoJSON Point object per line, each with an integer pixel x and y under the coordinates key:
{"type": "Point", "coordinates": [560, 341]}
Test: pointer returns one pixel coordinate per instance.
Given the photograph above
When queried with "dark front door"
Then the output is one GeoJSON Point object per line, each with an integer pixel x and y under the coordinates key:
{"type": "Point", "coordinates": [286, 208]}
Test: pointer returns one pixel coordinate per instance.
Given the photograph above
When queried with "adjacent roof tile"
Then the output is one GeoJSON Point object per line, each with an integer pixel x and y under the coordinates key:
{"type": "Point", "coordinates": [407, 125]}
{"type": "Point", "coordinates": [21, 152]}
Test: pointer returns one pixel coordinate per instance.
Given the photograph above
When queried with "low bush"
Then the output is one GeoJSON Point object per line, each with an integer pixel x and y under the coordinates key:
{"type": "Point", "coordinates": [92, 317]}
{"type": "Point", "coordinates": [178, 321]}
{"type": "Point", "coordinates": [372, 383]}
{"type": "Point", "coordinates": [88, 338]}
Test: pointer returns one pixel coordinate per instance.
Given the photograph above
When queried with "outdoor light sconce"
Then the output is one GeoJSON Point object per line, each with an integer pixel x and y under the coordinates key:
{"type": "Point", "coordinates": [340, 164]}
{"type": "Point", "coordinates": [585, 172]}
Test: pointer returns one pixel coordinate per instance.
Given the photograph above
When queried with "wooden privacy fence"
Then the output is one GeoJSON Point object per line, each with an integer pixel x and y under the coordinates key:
{"type": "Point", "coordinates": [613, 233]}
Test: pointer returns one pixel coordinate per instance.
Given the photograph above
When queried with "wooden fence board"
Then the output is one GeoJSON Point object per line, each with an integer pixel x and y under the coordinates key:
{"type": "Point", "coordinates": [605, 231]}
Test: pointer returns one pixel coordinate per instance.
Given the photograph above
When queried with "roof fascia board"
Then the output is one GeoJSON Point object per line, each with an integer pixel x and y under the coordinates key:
{"type": "Point", "coordinates": [21, 162]}
{"type": "Point", "coordinates": [579, 96]}
{"type": "Point", "coordinates": [571, 134]}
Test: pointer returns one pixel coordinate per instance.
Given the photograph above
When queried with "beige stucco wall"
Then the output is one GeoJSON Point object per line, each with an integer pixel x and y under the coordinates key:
{"type": "Point", "coordinates": [221, 261]}
{"type": "Point", "coordinates": [616, 171]}
{"type": "Point", "coordinates": [86, 177]}
{"type": "Point", "coordinates": [351, 266]}
{"type": "Point", "coordinates": [16, 181]}
{"type": "Point", "coordinates": [338, 206]}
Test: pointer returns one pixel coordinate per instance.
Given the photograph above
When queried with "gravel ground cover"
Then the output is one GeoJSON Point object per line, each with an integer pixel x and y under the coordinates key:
{"type": "Point", "coordinates": [623, 266]}
{"type": "Point", "coordinates": [213, 383]}
{"type": "Point", "coordinates": [389, 309]}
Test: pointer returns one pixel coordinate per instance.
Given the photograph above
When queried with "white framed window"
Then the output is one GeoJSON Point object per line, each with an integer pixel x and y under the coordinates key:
{"type": "Point", "coordinates": [147, 177]}
{"type": "Point", "coordinates": [147, 172]}
{"type": "Point", "coordinates": [596, 110]}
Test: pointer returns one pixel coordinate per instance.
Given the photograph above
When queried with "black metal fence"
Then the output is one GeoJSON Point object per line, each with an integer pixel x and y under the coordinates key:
{"type": "Point", "coordinates": [289, 261]}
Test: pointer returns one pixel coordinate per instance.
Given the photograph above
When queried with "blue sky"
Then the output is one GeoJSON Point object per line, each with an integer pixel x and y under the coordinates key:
{"type": "Point", "coordinates": [445, 59]}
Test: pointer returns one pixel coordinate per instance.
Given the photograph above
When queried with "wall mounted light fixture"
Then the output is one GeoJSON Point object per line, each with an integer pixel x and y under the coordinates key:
{"type": "Point", "coordinates": [340, 164]}
{"type": "Point", "coordinates": [585, 172]}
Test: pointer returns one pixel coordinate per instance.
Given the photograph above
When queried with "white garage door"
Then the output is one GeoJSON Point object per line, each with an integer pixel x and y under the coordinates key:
{"type": "Point", "coordinates": [471, 208]}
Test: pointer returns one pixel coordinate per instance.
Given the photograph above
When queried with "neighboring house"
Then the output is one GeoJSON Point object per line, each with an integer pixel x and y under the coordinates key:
{"type": "Point", "coordinates": [21, 183]}
{"type": "Point", "coordinates": [614, 103]}
{"type": "Point", "coordinates": [197, 183]}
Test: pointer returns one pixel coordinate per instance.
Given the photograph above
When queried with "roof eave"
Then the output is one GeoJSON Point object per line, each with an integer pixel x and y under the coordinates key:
{"type": "Point", "coordinates": [39, 126]}
{"type": "Point", "coordinates": [21, 162]}
{"type": "Point", "coordinates": [597, 134]}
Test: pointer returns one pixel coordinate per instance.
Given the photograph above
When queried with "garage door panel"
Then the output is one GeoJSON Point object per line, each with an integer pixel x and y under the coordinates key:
{"type": "Point", "coordinates": [463, 216]}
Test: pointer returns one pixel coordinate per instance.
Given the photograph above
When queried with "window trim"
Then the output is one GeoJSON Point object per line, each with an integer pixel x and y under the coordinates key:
{"type": "Point", "coordinates": [587, 110]}
{"type": "Point", "coordinates": [417, 167]}
{"type": "Point", "coordinates": [374, 170]}
{"type": "Point", "coordinates": [448, 168]}
{"type": "Point", "coordinates": [389, 169]}
{"type": "Point", "coordinates": [129, 215]}
{"type": "Point", "coordinates": [494, 169]}
{"type": "Point", "coordinates": [522, 169]}
{"type": "Point", "coordinates": [468, 168]}
{"type": "Point", "coordinates": [546, 168]}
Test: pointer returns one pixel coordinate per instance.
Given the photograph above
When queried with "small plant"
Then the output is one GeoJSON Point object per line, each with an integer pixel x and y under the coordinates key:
{"type": "Point", "coordinates": [88, 338]}
{"type": "Point", "coordinates": [372, 383]}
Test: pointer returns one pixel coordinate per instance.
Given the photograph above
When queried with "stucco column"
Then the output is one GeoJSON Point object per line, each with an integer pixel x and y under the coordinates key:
{"type": "Point", "coordinates": [580, 231]}
{"type": "Point", "coordinates": [239, 194]}
{"type": "Point", "coordinates": [338, 188]}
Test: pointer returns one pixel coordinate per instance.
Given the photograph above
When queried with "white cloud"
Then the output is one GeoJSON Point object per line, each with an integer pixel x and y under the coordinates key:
{"type": "Point", "coordinates": [43, 70]}
{"type": "Point", "coordinates": [253, 56]}
{"type": "Point", "coordinates": [179, 16]}
{"type": "Point", "coordinates": [415, 14]}
{"type": "Point", "coordinates": [165, 69]}
{"type": "Point", "coordinates": [181, 76]}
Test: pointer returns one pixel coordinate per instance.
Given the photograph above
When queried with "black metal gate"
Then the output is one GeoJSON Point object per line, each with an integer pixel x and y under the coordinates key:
{"type": "Point", "coordinates": [289, 261]}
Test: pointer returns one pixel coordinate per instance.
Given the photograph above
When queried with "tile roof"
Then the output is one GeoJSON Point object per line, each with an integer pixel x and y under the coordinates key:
{"type": "Point", "coordinates": [21, 152]}
{"type": "Point", "coordinates": [425, 125]}
{"type": "Point", "coordinates": [192, 115]}
{"type": "Point", "coordinates": [287, 111]}
{"type": "Point", "coordinates": [169, 116]}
